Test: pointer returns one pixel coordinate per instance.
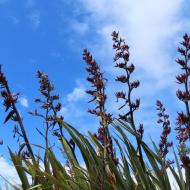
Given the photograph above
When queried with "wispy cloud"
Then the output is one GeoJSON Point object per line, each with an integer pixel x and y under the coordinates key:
{"type": "Point", "coordinates": [79, 27]}
{"type": "Point", "coordinates": [77, 94]}
{"type": "Point", "coordinates": [34, 19]}
{"type": "Point", "coordinates": [75, 109]}
{"type": "Point", "coordinates": [153, 30]}
{"type": "Point", "coordinates": [24, 102]}
{"type": "Point", "coordinates": [34, 15]}
{"type": "Point", "coordinates": [150, 27]}
{"type": "Point", "coordinates": [9, 171]}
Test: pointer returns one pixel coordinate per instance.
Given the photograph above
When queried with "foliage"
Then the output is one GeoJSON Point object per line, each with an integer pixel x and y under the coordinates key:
{"type": "Point", "coordinates": [132, 166]}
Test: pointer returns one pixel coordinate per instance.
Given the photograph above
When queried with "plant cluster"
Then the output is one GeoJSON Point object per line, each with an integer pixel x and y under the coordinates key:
{"type": "Point", "coordinates": [135, 166]}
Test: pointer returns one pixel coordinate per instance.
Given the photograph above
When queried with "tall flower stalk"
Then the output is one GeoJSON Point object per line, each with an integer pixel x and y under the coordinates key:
{"type": "Point", "coordinates": [121, 60]}
{"type": "Point", "coordinates": [97, 92]}
{"type": "Point", "coordinates": [50, 107]}
{"type": "Point", "coordinates": [183, 118]}
{"type": "Point", "coordinates": [164, 145]}
{"type": "Point", "coordinates": [10, 100]}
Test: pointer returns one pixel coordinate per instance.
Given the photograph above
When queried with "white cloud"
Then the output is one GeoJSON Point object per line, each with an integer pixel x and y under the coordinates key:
{"type": "Point", "coordinates": [79, 27]}
{"type": "Point", "coordinates": [34, 19]}
{"type": "Point", "coordinates": [75, 106]}
{"type": "Point", "coordinates": [24, 102]}
{"type": "Point", "coordinates": [150, 27]}
{"type": "Point", "coordinates": [77, 94]}
{"type": "Point", "coordinates": [8, 171]}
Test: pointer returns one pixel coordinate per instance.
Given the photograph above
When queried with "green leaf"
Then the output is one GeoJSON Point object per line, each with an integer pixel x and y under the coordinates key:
{"type": "Point", "coordinates": [20, 170]}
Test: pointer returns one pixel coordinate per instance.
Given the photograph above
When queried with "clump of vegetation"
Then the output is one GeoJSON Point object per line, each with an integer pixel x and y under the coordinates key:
{"type": "Point", "coordinates": [134, 166]}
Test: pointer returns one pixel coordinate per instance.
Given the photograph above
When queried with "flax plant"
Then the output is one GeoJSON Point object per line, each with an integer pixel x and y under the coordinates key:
{"type": "Point", "coordinates": [121, 59]}
{"type": "Point", "coordinates": [10, 100]}
{"type": "Point", "coordinates": [98, 94]}
{"type": "Point", "coordinates": [164, 145]}
{"type": "Point", "coordinates": [50, 107]}
{"type": "Point", "coordinates": [134, 168]}
{"type": "Point", "coordinates": [183, 118]}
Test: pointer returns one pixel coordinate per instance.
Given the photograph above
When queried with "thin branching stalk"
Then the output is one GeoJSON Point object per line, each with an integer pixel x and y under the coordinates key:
{"type": "Point", "coordinates": [164, 145]}
{"type": "Point", "coordinates": [98, 94]}
{"type": "Point", "coordinates": [10, 103]}
{"type": "Point", "coordinates": [121, 59]}
{"type": "Point", "coordinates": [183, 118]}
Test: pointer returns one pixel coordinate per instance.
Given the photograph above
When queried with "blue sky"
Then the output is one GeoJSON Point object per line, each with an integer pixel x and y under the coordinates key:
{"type": "Point", "coordinates": [50, 36]}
